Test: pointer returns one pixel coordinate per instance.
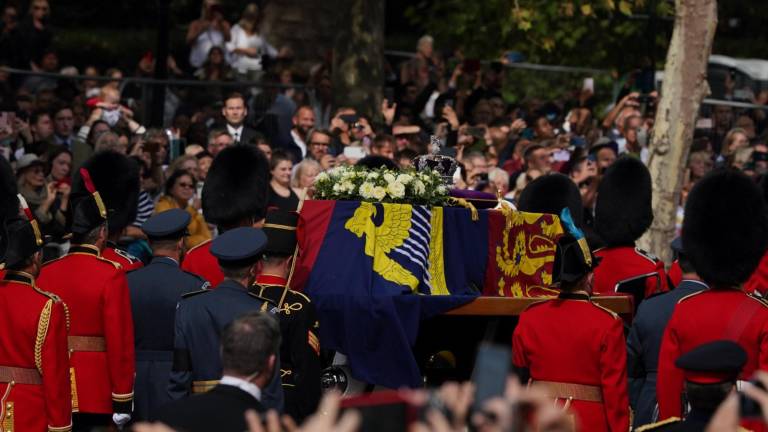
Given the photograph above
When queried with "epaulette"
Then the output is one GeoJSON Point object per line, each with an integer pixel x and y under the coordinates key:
{"type": "Point", "coordinates": [194, 293]}
{"type": "Point", "coordinates": [657, 425]}
{"type": "Point", "coordinates": [300, 295]}
{"type": "Point", "coordinates": [536, 303]}
{"type": "Point", "coordinates": [605, 309]}
{"type": "Point", "coordinates": [264, 299]}
{"type": "Point", "coordinates": [115, 264]}
{"type": "Point", "coordinates": [48, 294]}
{"type": "Point", "coordinates": [762, 300]}
{"type": "Point", "coordinates": [690, 295]}
{"type": "Point", "coordinates": [197, 246]}
{"type": "Point", "coordinates": [205, 284]}
{"type": "Point", "coordinates": [647, 255]}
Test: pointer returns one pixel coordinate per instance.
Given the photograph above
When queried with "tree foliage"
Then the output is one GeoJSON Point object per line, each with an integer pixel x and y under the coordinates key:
{"type": "Point", "coordinates": [593, 33]}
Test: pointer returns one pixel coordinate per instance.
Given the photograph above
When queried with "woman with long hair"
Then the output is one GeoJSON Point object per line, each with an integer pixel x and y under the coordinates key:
{"type": "Point", "coordinates": [281, 195]}
{"type": "Point", "coordinates": [247, 46]}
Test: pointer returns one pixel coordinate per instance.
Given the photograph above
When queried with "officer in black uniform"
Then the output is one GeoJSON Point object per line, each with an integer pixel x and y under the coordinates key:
{"type": "Point", "coordinates": [711, 371]}
{"type": "Point", "coordinates": [300, 347]}
{"type": "Point", "coordinates": [202, 316]}
{"type": "Point", "coordinates": [155, 291]}
{"type": "Point", "coordinates": [644, 340]}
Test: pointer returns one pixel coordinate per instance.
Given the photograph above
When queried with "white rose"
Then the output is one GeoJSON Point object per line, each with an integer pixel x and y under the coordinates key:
{"type": "Point", "coordinates": [337, 187]}
{"type": "Point", "coordinates": [404, 179]}
{"type": "Point", "coordinates": [442, 190]}
{"type": "Point", "coordinates": [418, 187]}
{"type": "Point", "coordinates": [379, 193]}
{"type": "Point", "coordinates": [366, 190]}
{"type": "Point", "coordinates": [389, 177]}
{"type": "Point", "coordinates": [322, 177]}
{"type": "Point", "coordinates": [373, 176]}
{"type": "Point", "coordinates": [396, 190]}
{"type": "Point", "coordinates": [348, 186]}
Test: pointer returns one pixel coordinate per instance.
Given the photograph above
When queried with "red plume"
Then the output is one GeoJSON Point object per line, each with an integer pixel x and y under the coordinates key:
{"type": "Point", "coordinates": [87, 180]}
{"type": "Point", "coordinates": [25, 207]}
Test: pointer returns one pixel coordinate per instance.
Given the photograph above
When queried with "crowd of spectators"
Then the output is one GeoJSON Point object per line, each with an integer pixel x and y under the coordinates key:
{"type": "Point", "coordinates": [49, 127]}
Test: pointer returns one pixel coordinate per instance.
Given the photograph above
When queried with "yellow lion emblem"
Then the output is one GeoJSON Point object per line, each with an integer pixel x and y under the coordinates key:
{"type": "Point", "coordinates": [380, 240]}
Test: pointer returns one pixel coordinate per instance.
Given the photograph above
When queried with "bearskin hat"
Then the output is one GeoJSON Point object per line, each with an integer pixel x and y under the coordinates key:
{"type": "Point", "coordinates": [236, 187]}
{"type": "Point", "coordinates": [623, 211]}
{"type": "Point", "coordinates": [116, 178]}
{"type": "Point", "coordinates": [551, 194]}
{"type": "Point", "coordinates": [725, 230]}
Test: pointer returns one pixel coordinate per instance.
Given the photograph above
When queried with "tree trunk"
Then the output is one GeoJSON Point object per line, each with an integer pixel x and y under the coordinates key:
{"type": "Point", "coordinates": [358, 56]}
{"type": "Point", "coordinates": [683, 89]}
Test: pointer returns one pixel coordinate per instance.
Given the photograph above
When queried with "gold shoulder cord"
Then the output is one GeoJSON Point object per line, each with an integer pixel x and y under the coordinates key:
{"type": "Point", "coordinates": [42, 330]}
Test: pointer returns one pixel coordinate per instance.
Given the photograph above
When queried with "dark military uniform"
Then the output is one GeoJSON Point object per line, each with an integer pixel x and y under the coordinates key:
{"type": "Point", "coordinates": [202, 316]}
{"type": "Point", "coordinates": [711, 363]}
{"type": "Point", "coordinates": [155, 291]}
{"type": "Point", "coordinates": [644, 344]}
{"type": "Point", "coordinates": [300, 346]}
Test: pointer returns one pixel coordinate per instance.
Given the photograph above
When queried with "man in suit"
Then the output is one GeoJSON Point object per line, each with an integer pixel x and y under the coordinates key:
{"type": "Point", "coordinates": [644, 340]}
{"type": "Point", "coordinates": [155, 291]}
{"type": "Point", "coordinates": [249, 359]}
{"type": "Point", "coordinates": [202, 315]}
{"type": "Point", "coordinates": [235, 111]}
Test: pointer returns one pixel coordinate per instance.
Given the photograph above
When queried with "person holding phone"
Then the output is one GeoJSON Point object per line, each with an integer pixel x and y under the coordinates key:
{"type": "Point", "coordinates": [48, 200]}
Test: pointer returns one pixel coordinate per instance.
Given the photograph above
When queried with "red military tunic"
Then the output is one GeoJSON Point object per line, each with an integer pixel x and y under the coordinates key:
{"type": "Point", "coordinates": [571, 340]}
{"type": "Point", "coordinates": [625, 263]}
{"type": "Point", "coordinates": [127, 261]}
{"type": "Point", "coordinates": [33, 353]}
{"type": "Point", "coordinates": [101, 331]}
{"type": "Point", "coordinates": [758, 282]}
{"type": "Point", "coordinates": [199, 261]}
{"type": "Point", "coordinates": [705, 317]}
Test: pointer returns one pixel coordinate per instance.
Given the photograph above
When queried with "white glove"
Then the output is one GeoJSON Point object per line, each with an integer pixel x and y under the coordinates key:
{"type": "Point", "coordinates": [121, 419]}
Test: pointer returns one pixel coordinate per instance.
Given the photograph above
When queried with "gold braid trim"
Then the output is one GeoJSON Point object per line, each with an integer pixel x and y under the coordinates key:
{"type": "Point", "coordinates": [55, 298]}
{"type": "Point", "coordinates": [42, 331]}
{"type": "Point", "coordinates": [6, 410]}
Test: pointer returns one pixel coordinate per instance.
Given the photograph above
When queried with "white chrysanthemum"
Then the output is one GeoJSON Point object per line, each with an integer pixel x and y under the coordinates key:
{"type": "Point", "coordinates": [389, 177]}
{"type": "Point", "coordinates": [379, 193]}
{"type": "Point", "coordinates": [418, 187]}
{"type": "Point", "coordinates": [404, 178]}
{"type": "Point", "coordinates": [366, 190]}
{"type": "Point", "coordinates": [396, 189]}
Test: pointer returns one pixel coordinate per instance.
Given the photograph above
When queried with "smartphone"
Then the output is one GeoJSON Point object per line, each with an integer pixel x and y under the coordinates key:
{"type": "Point", "coordinates": [704, 123]}
{"type": "Point", "coordinates": [389, 95]}
{"type": "Point", "coordinates": [492, 366]}
{"type": "Point", "coordinates": [748, 408]}
{"type": "Point", "coordinates": [356, 153]}
{"type": "Point", "coordinates": [477, 132]}
{"type": "Point", "coordinates": [349, 119]}
{"type": "Point", "coordinates": [6, 119]}
{"type": "Point", "coordinates": [471, 66]}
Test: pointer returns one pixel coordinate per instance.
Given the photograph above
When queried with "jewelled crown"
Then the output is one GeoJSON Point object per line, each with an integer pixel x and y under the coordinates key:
{"type": "Point", "coordinates": [444, 165]}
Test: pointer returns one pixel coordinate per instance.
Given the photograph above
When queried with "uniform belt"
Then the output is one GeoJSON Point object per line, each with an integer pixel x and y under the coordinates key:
{"type": "Point", "coordinates": [154, 355]}
{"type": "Point", "coordinates": [87, 343]}
{"type": "Point", "coordinates": [20, 375]}
{"type": "Point", "coordinates": [580, 392]}
{"type": "Point", "coordinates": [203, 386]}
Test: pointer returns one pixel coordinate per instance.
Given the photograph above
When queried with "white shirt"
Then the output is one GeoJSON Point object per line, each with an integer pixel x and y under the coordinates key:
{"type": "Point", "coordinates": [299, 142]}
{"type": "Point", "coordinates": [236, 132]}
{"type": "Point", "coordinates": [246, 386]}
{"type": "Point", "coordinates": [240, 39]}
{"type": "Point", "coordinates": [206, 40]}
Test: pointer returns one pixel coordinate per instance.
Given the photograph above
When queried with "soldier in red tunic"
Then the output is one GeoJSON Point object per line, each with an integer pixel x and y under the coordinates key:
{"type": "Point", "coordinates": [116, 177]}
{"type": "Point", "coordinates": [725, 234]}
{"type": "Point", "coordinates": [101, 331]}
{"type": "Point", "coordinates": [35, 393]}
{"type": "Point", "coordinates": [234, 195]}
{"type": "Point", "coordinates": [573, 347]}
{"type": "Point", "coordinates": [622, 214]}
